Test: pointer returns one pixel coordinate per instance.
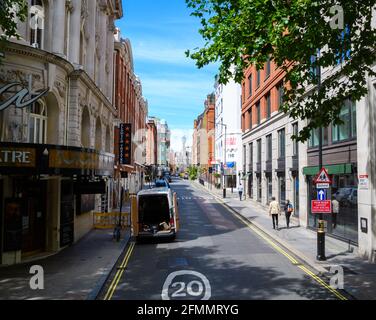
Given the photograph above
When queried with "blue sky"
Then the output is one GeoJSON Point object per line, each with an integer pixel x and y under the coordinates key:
{"type": "Point", "coordinates": [160, 32]}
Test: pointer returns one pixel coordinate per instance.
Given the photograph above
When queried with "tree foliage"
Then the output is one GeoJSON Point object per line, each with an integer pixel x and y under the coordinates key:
{"type": "Point", "coordinates": [193, 172]}
{"type": "Point", "coordinates": [247, 32]}
{"type": "Point", "coordinates": [10, 11]}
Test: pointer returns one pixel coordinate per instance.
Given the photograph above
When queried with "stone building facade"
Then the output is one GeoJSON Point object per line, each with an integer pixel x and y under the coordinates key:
{"type": "Point", "coordinates": [65, 49]}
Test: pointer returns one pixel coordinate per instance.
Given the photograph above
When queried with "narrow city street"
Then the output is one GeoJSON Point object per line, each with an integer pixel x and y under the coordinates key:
{"type": "Point", "coordinates": [237, 263]}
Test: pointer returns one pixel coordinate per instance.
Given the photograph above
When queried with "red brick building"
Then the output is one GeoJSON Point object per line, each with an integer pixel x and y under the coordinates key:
{"type": "Point", "coordinates": [151, 143]}
{"type": "Point", "coordinates": [210, 128]}
{"type": "Point", "coordinates": [261, 94]}
{"type": "Point", "coordinates": [132, 108]}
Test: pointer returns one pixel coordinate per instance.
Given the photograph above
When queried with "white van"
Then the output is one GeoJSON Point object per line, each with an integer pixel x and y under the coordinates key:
{"type": "Point", "coordinates": [156, 214]}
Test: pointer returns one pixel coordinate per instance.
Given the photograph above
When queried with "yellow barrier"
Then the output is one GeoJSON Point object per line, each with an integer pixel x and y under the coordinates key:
{"type": "Point", "coordinates": [109, 220]}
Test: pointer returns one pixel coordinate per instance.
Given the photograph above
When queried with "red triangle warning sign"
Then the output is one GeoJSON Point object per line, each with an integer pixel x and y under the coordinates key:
{"type": "Point", "coordinates": [323, 177]}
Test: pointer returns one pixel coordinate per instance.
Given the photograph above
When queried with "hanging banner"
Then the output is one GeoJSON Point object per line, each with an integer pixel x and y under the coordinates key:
{"type": "Point", "coordinates": [125, 144]}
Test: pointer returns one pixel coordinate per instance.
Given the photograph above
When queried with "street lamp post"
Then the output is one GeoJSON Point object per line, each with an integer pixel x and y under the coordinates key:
{"type": "Point", "coordinates": [225, 157]}
{"type": "Point", "coordinates": [321, 227]}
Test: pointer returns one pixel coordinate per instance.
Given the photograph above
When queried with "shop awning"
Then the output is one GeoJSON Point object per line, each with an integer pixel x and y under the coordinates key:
{"type": "Point", "coordinates": [346, 168]}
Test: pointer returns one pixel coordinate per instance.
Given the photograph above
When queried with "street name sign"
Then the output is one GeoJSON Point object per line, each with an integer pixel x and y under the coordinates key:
{"type": "Point", "coordinates": [322, 185]}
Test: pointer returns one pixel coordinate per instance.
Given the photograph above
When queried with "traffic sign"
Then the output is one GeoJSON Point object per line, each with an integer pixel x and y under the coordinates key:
{"type": "Point", "coordinates": [322, 185]}
{"type": "Point", "coordinates": [318, 206]}
{"type": "Point", "coordinates": [323, 177]}
{"type": "Point", "coordinates": [321, 195]}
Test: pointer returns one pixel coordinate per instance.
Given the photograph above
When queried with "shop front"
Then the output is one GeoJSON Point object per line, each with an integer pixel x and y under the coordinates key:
{"type": "Point", "coordinates": [344, 190]}
{"type": "Point", "coordinates": [44, 189]}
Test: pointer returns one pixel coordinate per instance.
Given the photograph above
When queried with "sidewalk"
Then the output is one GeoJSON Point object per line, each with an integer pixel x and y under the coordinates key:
{"type": "Point", "coordinates": [359, 275]}
{"type": "Point", "coordinates": [76, 273]}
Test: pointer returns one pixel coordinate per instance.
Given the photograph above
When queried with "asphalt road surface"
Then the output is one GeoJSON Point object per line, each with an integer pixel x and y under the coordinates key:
{"type": "Point", "coordinates": [215, 256]}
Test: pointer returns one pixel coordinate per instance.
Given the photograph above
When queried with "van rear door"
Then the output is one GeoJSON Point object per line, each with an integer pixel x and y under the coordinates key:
{"type": "Point", "coordinates": [176, 212]}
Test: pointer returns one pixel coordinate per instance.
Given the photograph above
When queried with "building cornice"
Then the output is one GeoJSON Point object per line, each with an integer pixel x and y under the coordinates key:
{"type": "Point", "coordinates": [45, 56]}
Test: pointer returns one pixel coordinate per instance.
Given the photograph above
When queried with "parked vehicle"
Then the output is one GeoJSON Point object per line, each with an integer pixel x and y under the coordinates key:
{"type": "Point", "coordinates": [162, 183]}
{"type": "Point", "coordinates": [156, 214]}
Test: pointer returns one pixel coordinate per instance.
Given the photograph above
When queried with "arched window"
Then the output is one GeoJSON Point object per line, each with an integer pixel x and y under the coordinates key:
{"type": "Point", "coordinates": [38, 123]}
{"type": "Point", "coordinates": [85, 128]}
{"type": "Point", "coordinates": [37, 24]}
{"type": "Point", "coordinates": [108, 140]}
{"type": "Point", "coordinates": [98, 135]}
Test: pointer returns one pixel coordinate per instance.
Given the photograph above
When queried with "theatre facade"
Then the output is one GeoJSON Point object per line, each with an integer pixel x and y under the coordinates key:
{"type": "Point", "coordinates": [56, 136]}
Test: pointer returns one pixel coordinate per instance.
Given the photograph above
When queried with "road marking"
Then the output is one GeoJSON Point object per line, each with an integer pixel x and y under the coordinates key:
{"type": "Point", "coordinates": [283, 252]}
{"type": "Point", "coordinates": [203, 283]}
{"type": "Point", "coordinates": [119, 273]}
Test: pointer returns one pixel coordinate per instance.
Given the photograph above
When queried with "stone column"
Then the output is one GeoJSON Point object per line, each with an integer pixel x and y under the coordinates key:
{"type": "Point", "coordinates": [75, 33]}
{"type": "Point", "coordinates": [58, 27]}
{"type": "Point", "coordinates": [110, 58]}
{"type": "Point", "coordinates": [90, 55]}
{"type": "Point", "coordinates": [102, 49]}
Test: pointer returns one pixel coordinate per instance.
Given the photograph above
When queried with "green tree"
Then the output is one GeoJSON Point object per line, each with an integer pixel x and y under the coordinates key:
{"type": "Point", "coordinates": [192, 172]}
{"type": "Point", "coordinates": [10, 11]}
{"type": "Point", "coordinates": [240, 33]}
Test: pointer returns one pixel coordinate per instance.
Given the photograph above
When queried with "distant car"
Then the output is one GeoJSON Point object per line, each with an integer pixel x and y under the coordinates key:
{"type": "Point", "coordinates": [162, 183]}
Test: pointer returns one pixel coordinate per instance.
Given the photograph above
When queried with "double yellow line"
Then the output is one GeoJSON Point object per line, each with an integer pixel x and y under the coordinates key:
{"type": "Point", "coordinates": [283, 252]}
{"type": "Point", "coordinates": [119, 273]}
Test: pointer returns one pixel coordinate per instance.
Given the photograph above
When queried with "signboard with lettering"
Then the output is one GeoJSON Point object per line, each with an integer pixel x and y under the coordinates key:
{"type": "Point", "coordinates": [17, 157]}
{"type": "Point", "coordinates": [363, 182]}
{"type": "Point", "coordinates": [18, 99]}
{"type": "Point", "coordinates": [318, 206]}
{"type": "Point", "coordinates": [68, 159]}
{"type": "Point", "coordinates": [125, 144]}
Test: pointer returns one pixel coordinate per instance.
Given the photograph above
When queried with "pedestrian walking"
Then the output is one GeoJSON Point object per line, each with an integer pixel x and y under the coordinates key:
{"type": "Point", "coordinates": [274, 211]}
{"type": "Point", "coordinates": [335, 211]}
{"type": "Point", "coordinates": [240, 190]}
{"type": "Point", "coordinates": [289, 209]}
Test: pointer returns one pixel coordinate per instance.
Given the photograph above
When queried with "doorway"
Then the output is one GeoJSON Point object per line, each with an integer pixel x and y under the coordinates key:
{"type": "Point", "coordinates": [33, 194]}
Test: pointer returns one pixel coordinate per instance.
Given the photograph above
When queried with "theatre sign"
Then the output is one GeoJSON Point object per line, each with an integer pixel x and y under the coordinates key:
{"type": "Point", "coordinates": [17, 157]}
{"type": "Point", "coordinates": [18, 98]}
{"type": "Point", "coordinates": [50, 159]}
